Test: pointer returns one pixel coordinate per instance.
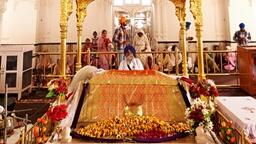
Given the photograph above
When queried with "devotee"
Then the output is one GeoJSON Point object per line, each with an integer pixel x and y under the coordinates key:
{"type": "Point", "coordinates": [120, 37]}
{"type": "Point", "coordinates": [187, 28]}
{"type": "Point", "coordinates": [230, 58]}
{"type": "Point", "coordinates": [164, 60]}
{"type": "Point", "coordinates": [87, 46]}
{"type": "Point", "coordinates": [103, 46]}
{"type": "Point", "coordinates": [150, 65]}
{"type": "Point", "coordinates": [141, 44]}
{"type": "Point", "coordinates": [191, 56]}
{"type": "Point", "coordinates": [210, 63]}
{"type": "Point", "coordinates": [242, 37]}
{"type": "Point", "coordinates": [175, 49]}
{"type": "Point", "coordinates": [56, 69]}
{"type": "Point", "coordinates": [70, 61]}
{"type": "Point", "coordinates": [94, 48]}
{"type": "Point", "coordinates": [130, 62]}
{"type": "Point", "coordinates": [95, 40]}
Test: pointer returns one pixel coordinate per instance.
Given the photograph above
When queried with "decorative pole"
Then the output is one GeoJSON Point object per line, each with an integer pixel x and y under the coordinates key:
{"type": "Point", "coordinates": [66, 10]}
{"type": "Point", "coordinates": [196, 10]}
{"type": "Point", "coordinates": [81, 6]}
{"type": "Point", "coordinates": [181, 14]}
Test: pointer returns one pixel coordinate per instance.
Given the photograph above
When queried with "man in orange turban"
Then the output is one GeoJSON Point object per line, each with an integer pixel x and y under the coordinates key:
{"type": "Point", "coordinates": [120, 37]}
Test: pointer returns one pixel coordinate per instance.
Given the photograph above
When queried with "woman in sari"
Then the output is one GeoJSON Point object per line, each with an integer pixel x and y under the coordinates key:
{"type": "Point", "coordinates": [103, 46]}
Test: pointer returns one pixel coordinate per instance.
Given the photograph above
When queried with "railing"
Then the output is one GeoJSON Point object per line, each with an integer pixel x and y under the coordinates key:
{"type": "Point", "coordinates": [214, 64]}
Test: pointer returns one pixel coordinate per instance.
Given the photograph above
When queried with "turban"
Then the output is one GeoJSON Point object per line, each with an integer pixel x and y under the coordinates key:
{"type": "Point", "coordinates": [122, 20]}
{"type": "Point", "coordinates": [241, 25]}
{"type": "Point", "coordinates": [131, 49]}
{"type": "Point", "coordinates": [188, 24]}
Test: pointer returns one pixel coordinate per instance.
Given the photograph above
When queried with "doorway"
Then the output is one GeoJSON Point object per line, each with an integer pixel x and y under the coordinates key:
{"type": "Point", "coordinates": [138, 14]}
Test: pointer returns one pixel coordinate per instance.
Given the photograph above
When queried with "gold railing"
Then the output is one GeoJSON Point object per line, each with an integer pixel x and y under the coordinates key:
{"type": "Point", "coordinates": [29, 138]}
{"type": "Point", "coordinates": [209, 71]}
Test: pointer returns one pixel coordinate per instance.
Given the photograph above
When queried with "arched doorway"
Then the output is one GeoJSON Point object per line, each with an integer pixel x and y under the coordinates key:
{"type": "Point", "coordinates": [138, 13]}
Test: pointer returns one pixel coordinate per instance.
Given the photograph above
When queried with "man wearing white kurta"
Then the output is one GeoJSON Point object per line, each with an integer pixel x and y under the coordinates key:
{"type": "Point", "coordinates": [130, 62]}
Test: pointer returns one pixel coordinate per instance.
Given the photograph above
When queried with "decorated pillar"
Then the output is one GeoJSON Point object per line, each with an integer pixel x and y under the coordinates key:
{"type": "Point", "coordinates": [81, 6]}
{"type": "Point", "coordinates": [66, 10]}
{"type": "Point", "coordinates": [196, 10]}
{"type": "Point", "coordinates": [181, 14]}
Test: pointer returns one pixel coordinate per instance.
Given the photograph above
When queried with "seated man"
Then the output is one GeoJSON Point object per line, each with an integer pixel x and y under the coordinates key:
{"type": "Point", "coordinates": [130, 62]}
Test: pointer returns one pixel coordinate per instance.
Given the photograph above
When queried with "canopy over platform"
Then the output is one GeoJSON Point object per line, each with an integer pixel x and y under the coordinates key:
{"type": "Point", "coordinates": [111, 92]}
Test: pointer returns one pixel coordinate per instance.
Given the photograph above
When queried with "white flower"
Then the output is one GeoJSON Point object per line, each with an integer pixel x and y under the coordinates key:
{"type": "Point", "coordinates": [210, 82]}
{"type": "Point", "coordinates": [205, 111]}
{"type": "Point", "coordinates": [199, 104]}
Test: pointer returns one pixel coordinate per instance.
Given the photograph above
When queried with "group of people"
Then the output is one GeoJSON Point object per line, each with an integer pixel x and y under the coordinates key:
{"type": "Point", "coordinates": [120, 41]}
{"type": "Point", "coordinates": [127, 51]}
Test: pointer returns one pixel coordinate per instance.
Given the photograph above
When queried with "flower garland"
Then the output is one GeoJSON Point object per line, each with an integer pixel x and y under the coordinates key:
{"type": "Point", "coordinates": [40, 130]}
{"type": "Point", "coordinates": [204, 87]}
{"type": "Point", "coordinates": [199, 115]}
{"type": "Point", "coordinates": [226, 133]}
{"type": "Point", "coordinates": [57, 87]}
{"type": "Point", "coordinates": [200, 111]}
{"type": "Point", "coordinates": [57, 113]}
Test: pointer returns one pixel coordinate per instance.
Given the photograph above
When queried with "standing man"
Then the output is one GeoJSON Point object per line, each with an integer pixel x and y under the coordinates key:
{"type": "Point", "coordinates": [95, 48]}
{"type": "Point", "coordinates": [191, 56]}
{"type": "Point", "coordinates": [120, 37]}
{"type": "Point", "coordinates": [242, 37]}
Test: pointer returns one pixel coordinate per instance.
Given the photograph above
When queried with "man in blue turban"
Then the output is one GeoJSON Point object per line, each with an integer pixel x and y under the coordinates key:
{"type": "Point", "coordinates": [242, 37]}
{"type": "Point", "coordinates": [130, 62]}
{"type": "Point", "coordinates": [188, 25]}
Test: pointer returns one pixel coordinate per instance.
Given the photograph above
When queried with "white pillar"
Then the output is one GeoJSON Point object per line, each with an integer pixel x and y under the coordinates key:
{"type": "Point", "coordinates": [2, 10]}
{"type": "Point", "coordinates": [157, 19]}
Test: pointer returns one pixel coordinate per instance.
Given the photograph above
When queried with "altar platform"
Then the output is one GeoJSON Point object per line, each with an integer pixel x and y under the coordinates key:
{"type": "Point", "coordinates": [241, 110]}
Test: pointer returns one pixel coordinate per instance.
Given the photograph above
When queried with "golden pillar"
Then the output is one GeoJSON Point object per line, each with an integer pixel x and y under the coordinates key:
{"type": "Point", "coordinates": [181, 14]}
{"type": "Point", "coordinates": [65, 11]}
{"type": "Point", "coordinates": [196, 10]}
{"type": "Point", "coordinates": [81, 6]}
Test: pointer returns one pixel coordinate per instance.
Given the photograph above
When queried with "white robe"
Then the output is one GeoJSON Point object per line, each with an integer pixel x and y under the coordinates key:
{"type": "Point", "coordinates": [135, 64]}
{"type": "Point", "coordinates": [141, 44]}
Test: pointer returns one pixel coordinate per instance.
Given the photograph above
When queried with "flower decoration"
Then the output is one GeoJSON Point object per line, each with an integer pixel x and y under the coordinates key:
{"type": "Point", "coordinates": [57, 113]}
{"type": "Point", "coordinates": [39, 131]}
{"type": "Point", "coordinates": [199, 115]}
{"type": "Point", "coordinates": [204, 87]}
{"type": "Point", "coordinates": [57, 87]}
{"type": "Point", "coordinates": [226, 133]}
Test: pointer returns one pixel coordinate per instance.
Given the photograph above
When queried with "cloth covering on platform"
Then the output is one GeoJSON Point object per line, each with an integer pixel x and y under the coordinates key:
{"type": "Point", "coordinates": [111, 91]}
{"type": "Point", "coordinates": [242, 112]}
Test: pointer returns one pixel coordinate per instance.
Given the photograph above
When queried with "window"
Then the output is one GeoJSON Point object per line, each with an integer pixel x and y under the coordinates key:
{"type": "Point", "coordinates": [132, 2]}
